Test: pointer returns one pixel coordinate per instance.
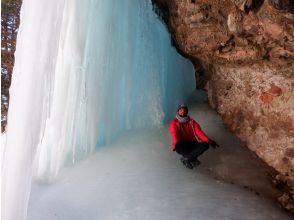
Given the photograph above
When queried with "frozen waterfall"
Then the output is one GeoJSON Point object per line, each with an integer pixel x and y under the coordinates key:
{"type": "Point", "coordinates": [84, 72]}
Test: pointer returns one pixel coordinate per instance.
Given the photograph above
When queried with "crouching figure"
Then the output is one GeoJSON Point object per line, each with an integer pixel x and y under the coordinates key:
{"type": "Point", "coordinates": [188, 139]}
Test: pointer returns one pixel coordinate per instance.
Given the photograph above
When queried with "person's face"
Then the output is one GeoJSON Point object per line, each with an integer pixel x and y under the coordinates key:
{"type": "Point", "coordinates": [182, 112]}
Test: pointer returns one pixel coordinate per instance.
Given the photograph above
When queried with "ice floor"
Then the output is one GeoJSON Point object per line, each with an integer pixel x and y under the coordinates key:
{"type": "Point", "coordinates": [139, 177]}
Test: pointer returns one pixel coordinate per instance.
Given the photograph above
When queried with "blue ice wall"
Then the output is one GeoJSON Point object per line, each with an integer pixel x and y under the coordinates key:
{"type": "Point", "coordinates": [134, 77]}
{"type": "Point", "coordinates": [116, 70]}
{"type": "Point", "coordinates": [84, 71]}
{"type": "Point", "coordinates": [91, 69]}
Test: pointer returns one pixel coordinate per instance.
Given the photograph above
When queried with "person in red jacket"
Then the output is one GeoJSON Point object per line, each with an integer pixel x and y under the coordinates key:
{"type": "Point", "coordinates": [188, 139]}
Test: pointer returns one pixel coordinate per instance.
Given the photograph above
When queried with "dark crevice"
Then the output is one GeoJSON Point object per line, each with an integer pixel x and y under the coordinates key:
{"type": "Point", "coordinates": [162, 11]}
{"type": "Point", "coordinates": [253, 5]}
{"type": "Point", "coordinates": [283, 5]}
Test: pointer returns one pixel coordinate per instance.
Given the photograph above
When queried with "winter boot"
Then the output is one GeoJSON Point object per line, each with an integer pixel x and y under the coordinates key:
{"type": "Point", "coordinates": [187, 163]}
{"type": "Point", "coordinates": [196, 163]}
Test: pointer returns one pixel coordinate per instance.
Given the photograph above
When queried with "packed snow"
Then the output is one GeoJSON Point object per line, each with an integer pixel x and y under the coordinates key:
{"type": "Point", "coordinates": [139, 177]}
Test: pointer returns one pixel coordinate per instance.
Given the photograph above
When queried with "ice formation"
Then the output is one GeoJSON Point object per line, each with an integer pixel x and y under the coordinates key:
{"type": "Point", "coordinates": [84, 72]}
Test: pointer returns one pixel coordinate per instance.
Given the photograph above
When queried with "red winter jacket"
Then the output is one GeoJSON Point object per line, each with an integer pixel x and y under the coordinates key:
{"type": "Point", "coordinates": [189, 131]}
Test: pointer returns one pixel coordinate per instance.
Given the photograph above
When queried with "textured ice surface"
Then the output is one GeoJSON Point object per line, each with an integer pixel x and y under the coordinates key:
{"type": "Point", "coordinates": [139, 177]}
{"type": "Point", "coordinates": [84, 72]}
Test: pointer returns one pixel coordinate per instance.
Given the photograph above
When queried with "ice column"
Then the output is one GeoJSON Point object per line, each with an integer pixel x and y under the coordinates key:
{"type": "Point", "coordinates": [84, 71]}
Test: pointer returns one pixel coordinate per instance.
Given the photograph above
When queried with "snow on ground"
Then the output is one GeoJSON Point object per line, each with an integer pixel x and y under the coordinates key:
{"type": "Point", "coordinates": [139, 177]}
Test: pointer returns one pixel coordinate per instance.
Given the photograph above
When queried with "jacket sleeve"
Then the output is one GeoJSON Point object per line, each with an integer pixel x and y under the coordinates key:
{"type": "Point", "coordinates": [175, 134]}
{"type": "Point", "coordinates": [199, 133]}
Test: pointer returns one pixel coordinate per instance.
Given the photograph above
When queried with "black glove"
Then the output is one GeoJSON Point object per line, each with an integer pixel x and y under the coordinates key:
{"type": "Point", "coordinates": [213, 144]}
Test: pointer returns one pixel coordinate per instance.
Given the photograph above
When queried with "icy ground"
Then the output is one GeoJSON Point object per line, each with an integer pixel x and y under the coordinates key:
{"type": "Point", "coordinates": [139, 177]}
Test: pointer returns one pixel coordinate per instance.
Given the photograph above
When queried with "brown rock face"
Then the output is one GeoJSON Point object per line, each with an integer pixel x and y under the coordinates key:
{"type": "Point", "coordinates": [244, 50]}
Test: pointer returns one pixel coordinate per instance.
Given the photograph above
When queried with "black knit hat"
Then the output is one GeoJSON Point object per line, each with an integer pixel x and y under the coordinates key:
{"type": "Point", "coordinates": [183, 106]}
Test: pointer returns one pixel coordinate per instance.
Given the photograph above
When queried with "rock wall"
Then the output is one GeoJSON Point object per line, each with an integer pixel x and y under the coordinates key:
{"type": "Point", "coordinates": [243, 53]}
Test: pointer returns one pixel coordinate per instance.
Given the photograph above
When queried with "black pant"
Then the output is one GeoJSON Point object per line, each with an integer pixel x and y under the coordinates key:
{"type": "Point", "coordinates": [191, 150]}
